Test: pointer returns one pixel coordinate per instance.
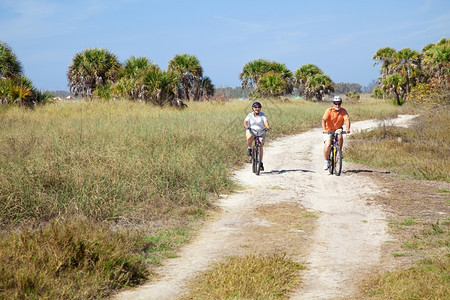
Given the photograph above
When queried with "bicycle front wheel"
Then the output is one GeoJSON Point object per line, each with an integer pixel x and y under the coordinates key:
{"type": "Point", "coordinates": [258, 160]}
{"type": "Point", "coordinates": [338, 159]}
{"type": "Point", "coordinates": [254, 154]}
{"type": "Point", "coordinates": [331, 161]}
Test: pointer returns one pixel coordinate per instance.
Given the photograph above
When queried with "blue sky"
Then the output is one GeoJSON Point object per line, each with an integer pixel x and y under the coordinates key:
{"type": "Point", "coordinates": [340, 37]}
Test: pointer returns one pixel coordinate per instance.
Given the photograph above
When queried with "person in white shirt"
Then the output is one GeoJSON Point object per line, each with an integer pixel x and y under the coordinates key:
{"type": "Point", "coordinates": [256, 121]}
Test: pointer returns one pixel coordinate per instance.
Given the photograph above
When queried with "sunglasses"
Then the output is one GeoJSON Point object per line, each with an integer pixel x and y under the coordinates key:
{"type": "Point", "coordinates": [257, 107]}
{"type": "Point", "coordinates": [337, 103]}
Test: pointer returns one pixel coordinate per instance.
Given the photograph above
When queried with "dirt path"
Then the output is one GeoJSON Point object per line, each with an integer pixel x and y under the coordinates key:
{"type": "Point", "coordinates": [346, 242]}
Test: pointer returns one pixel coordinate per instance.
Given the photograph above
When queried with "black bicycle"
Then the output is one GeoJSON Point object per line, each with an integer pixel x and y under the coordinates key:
{"type": "Point", "coordinates": [256, 153]}
{"type": "Point", "coordinates": [335, 157]}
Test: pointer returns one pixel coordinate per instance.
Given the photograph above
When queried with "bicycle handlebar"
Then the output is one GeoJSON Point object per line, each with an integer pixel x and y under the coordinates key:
{"type": "Point", "coordinates": [251, 132]}
{"type": "Point", "coordinates": [337, 131]}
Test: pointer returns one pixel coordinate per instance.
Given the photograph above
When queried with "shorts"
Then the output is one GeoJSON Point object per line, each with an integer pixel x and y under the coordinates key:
{"type": "Point", "coordinates": [261, 135]}
{"type": "Point", "coordinates": [328, 136]}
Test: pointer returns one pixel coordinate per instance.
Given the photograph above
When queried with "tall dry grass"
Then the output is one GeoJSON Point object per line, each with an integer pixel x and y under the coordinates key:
{"type": "Point", "coordinates": [117, 166]}
{"type": "Point", "coordinates": [115, 160]}
{"type": "Point", "coordinates": [76, 259]}
{"type": "Point", "coordinates": [249, 277]}
{"type": "Point", "coordinates": [421, 150]}
{"type": "Point", "coordinates": [428, 278]}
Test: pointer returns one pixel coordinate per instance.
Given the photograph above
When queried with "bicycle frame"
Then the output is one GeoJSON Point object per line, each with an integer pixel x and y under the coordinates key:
{"type": "Point", "coordinates": [335, 156]}
{"type": "Point", "coordinates": [256, 154]}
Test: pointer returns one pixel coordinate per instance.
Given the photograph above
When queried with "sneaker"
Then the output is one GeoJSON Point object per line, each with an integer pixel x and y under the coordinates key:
{"type": "Point", "coordinates": [249, 152]}
{"type": "Point", "coordinates": [325, 166]}
{"type": "Point", "coordinates": [262, 167]}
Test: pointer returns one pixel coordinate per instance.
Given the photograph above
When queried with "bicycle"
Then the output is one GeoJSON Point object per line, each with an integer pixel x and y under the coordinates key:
{"type": "Point", "coordinates": [335, 156]}
{"type": "Point", "coordinates": [256, 153]}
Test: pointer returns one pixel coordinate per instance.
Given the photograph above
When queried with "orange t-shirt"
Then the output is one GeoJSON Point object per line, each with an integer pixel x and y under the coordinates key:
{"type": "Point", "coordinates": [335, 119]}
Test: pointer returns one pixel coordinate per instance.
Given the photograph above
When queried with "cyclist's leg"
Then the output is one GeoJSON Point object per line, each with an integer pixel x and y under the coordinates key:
{"type": "Point", "coordinates": [341, 140]}
{"type": "Point", "coordinates": [250, 138]}
{"type": "Point", "coordinates": [262, 140]}
{"type": "Point", "coordinates": [326, 151]}
{"type": "Point", "coordinates": [326, 146]}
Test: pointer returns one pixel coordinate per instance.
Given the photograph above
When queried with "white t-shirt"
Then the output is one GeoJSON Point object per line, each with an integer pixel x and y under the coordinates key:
{"type": "Point", "coordinates": [256, 123]}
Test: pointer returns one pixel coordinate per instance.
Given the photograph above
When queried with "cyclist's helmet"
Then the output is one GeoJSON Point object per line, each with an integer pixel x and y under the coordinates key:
{"type": "Point", "coordinates": [256, 104]}
{"type": "Point", "coordinates": [337, 99]}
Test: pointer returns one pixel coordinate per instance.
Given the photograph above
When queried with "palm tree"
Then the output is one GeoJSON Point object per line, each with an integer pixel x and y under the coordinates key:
{"type": "Point", "coordinates": [207, 88]}
{"type": "Point", "coordinates": [90, 69]}
{"type": "Point", "coordinates": [18, 90]}
{"type": "Point", "coordinates": [252, 71]}
{"type": "Point", "coordinates": [10, 66]}
{"type": "Point", "coordinates": [124, 88]}
{"type": "Point", "coordinates": [303, 73]}
{"type": "Point", "coordinates": [312, 82]}
{"type": "Point", "coordinates": [285, 75]}
{"type": "Point", "coordinates": [158, 87]}
{"type": "Point", "coordinates": [270, 73]}
{"type": "Point", "coordinates": [167, 90]}
{"type": "Point", "coordinates": [271, 84]}
{"type": "Point", "coordinates": [189, 72]}
{"type": "Point", "coordinates": [437, 60]}
{"type": "Point", "coordinates": [407, 63]}
{"type": "Point", "coordinates": [317, 86]}
{"type": "Point", "coordinates": [134, 66]}
{"type": "Point", "coordinates": [130, 85]}
{"type": "Point", "coordinates": [394, 84]}
{"type": "Point", "coordinates": [386, 57]}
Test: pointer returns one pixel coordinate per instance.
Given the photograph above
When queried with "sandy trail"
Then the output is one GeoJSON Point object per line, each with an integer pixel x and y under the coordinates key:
{"type": "Point", "coordinates": [350, 229]}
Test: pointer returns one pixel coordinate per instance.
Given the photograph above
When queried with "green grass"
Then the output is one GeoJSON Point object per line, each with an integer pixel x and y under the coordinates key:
{"type": "Point", "coordinates": [309, 215]}
{"type": "Point", "coordinates": [408, 221]}
{"type": "Point", "coordinates": [117, 166]}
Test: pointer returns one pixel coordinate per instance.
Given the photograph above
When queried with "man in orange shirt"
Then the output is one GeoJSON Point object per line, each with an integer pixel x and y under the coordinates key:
{"type": "Point", "coordinates": [334, 118]}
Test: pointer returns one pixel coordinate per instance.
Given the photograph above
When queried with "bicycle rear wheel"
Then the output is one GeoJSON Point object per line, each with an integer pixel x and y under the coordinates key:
{"type": "Point", "coordinates": [258, 160]}
{"type": "Point", "coordinates": [338, 160]}
{"type": "Point", "coordinates": [331, 161]}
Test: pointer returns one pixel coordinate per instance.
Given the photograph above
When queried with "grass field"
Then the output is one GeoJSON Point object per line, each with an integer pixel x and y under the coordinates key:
{"type": "Point", "coordinates": [76, 176]}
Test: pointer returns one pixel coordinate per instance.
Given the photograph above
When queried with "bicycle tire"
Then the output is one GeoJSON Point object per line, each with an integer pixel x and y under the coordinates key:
{"type": "Point", "coordinates": [254, 159]}
{"type": "Point", "coordinates": [338, 159]}
{"type": "Point", "coordinates": [331, 161]}
{"type": "Point", "coordinates": [258, 160]}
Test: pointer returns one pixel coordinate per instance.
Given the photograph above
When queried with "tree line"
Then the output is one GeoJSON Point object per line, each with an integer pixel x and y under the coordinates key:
{"type": "Point", "coordinates": [339, 88]}
{"type": "Point", "coordinates": [97, 73]}
{"type": "Point", "coordinates": [411, 74]}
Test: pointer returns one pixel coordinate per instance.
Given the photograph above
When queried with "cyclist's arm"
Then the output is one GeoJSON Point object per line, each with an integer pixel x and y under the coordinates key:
{"type": "Point", "coordinates": [246, 124]}
{"type": "Point", "coordinates": [266, 123]}
{"type": "Point", "coordinates": [347, 124]}
{"type": "Point", "coordinates": [324, 126]}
